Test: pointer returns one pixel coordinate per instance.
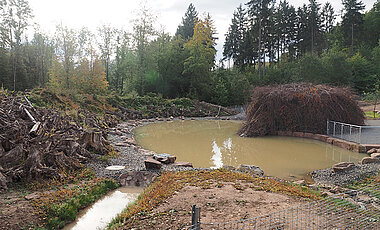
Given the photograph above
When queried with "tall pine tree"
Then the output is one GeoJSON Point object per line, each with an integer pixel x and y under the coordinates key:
{"type": "Point", "coordinates": [352, 21]}
{"type": "Point", "coordinates": [186, 29]}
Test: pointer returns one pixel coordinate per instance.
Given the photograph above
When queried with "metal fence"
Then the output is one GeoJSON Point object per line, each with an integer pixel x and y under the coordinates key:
{"type": "Point", "coordinates": [354, 209]}
{"type": "Point", "coordinates": [354, 133]}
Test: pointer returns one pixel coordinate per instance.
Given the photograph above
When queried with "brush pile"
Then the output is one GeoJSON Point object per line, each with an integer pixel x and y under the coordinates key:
{"type": "Point", "coordinates": [299, 108]}
{"type": "Point", "coordinates": [41, 143]}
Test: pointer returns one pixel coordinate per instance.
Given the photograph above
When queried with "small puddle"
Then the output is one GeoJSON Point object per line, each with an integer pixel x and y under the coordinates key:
{"type": "Point", "coordinates": [212, 144]}
{"type": "Point", "coordinates": [104, 210]}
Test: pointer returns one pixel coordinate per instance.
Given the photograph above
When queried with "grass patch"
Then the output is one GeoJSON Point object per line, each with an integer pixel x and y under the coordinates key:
{"type": "Point", "coordinates": [369, 114]}
{"type": "Point", "coordinates": [62, 206]}
{"type": "Point", "coordinates": [170, 182]}
{"type": "Point", "coordinates": [368, 184]}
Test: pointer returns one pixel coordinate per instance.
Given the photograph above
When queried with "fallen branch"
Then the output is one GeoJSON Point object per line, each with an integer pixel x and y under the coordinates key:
{"type": "Point", "coordinates": [29, 115]}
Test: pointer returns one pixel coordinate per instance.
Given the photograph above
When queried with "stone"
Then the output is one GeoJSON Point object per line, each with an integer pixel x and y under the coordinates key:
{"type": "Point", "coordinates": [130, 141]}
{"type": "Point", "coordinates": [326, 194]}
{"type": "Point", "coordinates": [320, 137]}
{"type": "Point", "coordinates": [183, 164]}
{"type": "Point", "coordinates": [300, 182]}
{"type": "Point", "coordinates": [172, 159]}
{"type": "Point", "coordinates": [229, 167]}
{"type": "Point", "coordinates": [370, 146]}
{"type": "Point", "coordinates": [165, 158]}
{"type": "Point", "coordinates": [342, 166]}
{"type": "Point", "coordinates": [251, 169]}
{"type": "Point", "coordinates": [287, 133]}
{"type": "Point", "coordinates": [364, 199]}
{"type": "Point", "coordinates": [115, 167]}
{"type": "Point", "coordinates": [375, 155]}
{"type": "Point", "coordinates": [308, 135]}
{"type": "Point", "coordinates": [147, 152]}
{"type": "Point", "coordinates": [345, 144]}
{"type": "Point", "coordinates": [373, 150]}
{"type": "Point", "coordinates": [298, 134]}
{"type": "Point", "coordinates": [361, 149]}
{"type": "Point", "coordinates": [152, 164]}
{"type": "Point", "coordinates": [369, 160]}
{"type": "Point", "coordinates": [161, 157]}
{"type": "Point", "coordinates": [32, 196]}
{"type": "Point", "coordinates": [123, 176]}
{"type": "Point", "coordinates": [330, 140]}
{"type": "Point", "coordinates": [122, 144]}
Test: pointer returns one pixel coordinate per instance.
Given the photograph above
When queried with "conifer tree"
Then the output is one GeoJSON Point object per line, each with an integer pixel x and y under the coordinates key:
{"type": "Point", "coordinates": [186, 29]}
{"type": "Point", "coordinates": [352, 20]}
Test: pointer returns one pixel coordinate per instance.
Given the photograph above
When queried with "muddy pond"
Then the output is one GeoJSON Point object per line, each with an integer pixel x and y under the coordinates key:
{"type": "Point", "coordinates": [212, 144]}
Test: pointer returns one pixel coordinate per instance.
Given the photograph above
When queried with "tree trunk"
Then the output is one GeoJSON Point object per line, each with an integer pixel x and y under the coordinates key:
{"type": "Point", "coordinates": [259, 50]}
{"type": "Point", "coordinates": [352, 38]}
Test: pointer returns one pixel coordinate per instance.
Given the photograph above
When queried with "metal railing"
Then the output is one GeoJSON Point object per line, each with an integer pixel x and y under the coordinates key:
{"type": "Point", "coordinates": [356, 209]}
{"type": "Point", "coordinates": [354, 133]}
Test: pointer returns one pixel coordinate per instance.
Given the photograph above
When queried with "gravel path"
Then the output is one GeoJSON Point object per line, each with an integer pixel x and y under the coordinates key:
{"type": "Point", "coordinates": [129, 153]}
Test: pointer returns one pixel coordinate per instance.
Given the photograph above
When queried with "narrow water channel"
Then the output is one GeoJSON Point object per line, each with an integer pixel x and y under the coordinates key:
{"type": "Point", "coordinates": [104, 210]}
{"type": "Point", "coordinates": [212, 144]}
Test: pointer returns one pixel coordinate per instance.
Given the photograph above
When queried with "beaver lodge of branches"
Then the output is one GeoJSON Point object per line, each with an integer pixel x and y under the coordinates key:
{"type": "Point", "coordinates": [299, 108]}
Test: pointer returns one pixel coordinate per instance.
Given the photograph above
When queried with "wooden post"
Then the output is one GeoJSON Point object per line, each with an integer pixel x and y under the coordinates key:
{"type": "Point", "coordinates": [196, 218]}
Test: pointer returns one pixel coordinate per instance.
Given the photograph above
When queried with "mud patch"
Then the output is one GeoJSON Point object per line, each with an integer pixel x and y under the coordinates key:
{"type": "Point", "coordinates": [16, 212]}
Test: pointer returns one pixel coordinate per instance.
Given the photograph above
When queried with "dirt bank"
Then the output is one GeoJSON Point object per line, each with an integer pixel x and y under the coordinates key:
{"type": "Point", "coordinates": [217, 205]}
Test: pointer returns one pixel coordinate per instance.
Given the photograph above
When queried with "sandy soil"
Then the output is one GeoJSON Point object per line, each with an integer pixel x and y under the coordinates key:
{"type": "Point", "coordinates": [217, 205]}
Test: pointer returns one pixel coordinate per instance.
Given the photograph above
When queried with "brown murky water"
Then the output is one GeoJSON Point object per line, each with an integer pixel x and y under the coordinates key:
{"type": "Point", "coordinates": [104, 210]}
{"type": "Point", "coordinates": [212, 144]}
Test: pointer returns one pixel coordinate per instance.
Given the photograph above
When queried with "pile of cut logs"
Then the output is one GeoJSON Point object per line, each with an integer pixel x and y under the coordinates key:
{"type": "Point", "coordinates": [38, 143]}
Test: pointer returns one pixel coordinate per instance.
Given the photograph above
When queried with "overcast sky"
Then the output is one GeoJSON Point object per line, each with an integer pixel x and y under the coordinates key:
{"type": "Point", "coordinates": [119, 13]}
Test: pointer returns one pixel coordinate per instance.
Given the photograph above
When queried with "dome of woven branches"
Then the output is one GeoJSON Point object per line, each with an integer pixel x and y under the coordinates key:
{"type": "Point", "coordinates": [299, 108]}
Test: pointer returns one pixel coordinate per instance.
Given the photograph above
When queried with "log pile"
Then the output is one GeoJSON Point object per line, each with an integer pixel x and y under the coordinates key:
{"type": "Point", "coordinates": [41, 143]}
{"type": "Point", "coordinates": [299, 108]}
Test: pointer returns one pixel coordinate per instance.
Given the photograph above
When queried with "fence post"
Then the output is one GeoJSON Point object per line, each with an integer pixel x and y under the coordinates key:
{"type": "Point", "coordinates": [195, 218]}
{"type": "Point", "coordinates": [334, 129]}
{"type": "Point", "coordinates": [341, 131]}
{"type": "Point", "coordinates": [327, 129]}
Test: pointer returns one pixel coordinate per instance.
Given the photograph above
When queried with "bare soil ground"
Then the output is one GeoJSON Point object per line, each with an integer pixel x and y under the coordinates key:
{"type": "Point", "coordinates": [16, 212]}
{"type": "Point", "coordinates": [217, 205]}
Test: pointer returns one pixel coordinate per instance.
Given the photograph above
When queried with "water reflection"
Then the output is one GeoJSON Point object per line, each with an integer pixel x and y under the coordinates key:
{"type": "Point", "coordinates": [101, 213]}
{"type": "Point", "coordinates": [212, 144]}
{"type": "Point", "coordinates": [217, 156]}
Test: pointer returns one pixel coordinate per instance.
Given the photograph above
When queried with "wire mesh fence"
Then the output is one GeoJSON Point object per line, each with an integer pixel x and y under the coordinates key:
{"type": "Point", "coordinates": [354, 133]}
{"type": "Point", "coordinates": [354, 209]}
